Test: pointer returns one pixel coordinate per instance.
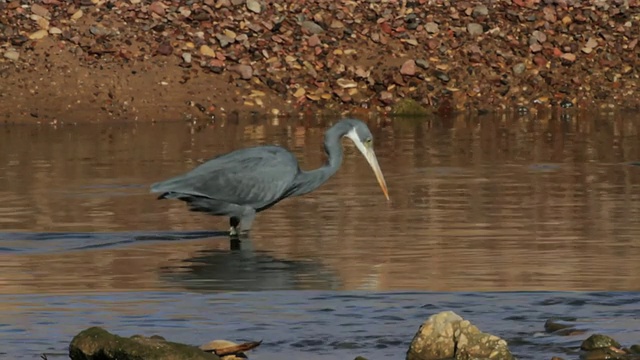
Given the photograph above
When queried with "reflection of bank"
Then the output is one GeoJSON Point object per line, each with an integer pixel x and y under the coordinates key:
{"type": "Point", "coordinates": [247, 270]}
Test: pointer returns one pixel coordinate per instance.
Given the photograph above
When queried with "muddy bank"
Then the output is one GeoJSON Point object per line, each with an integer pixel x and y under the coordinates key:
{"type": "Point", "coordinates": [92, 60]}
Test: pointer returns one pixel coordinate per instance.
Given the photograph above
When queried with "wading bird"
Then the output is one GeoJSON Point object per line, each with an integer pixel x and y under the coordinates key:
{"type": "Point", "coordinates": [244, 182]}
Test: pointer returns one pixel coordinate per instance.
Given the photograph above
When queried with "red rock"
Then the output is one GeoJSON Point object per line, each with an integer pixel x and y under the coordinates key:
{"type": "Point", "coordinates": [157, 7]}
{"type": "Point", "coordinates": [540, 60]}
{"type": "Point", "coordinates": [313, 40]}
{"type": "Point", "coordinates": [386, 28]}
{"type": "Point", "coordinates": [408, 68]}
{"type": "Point", "coordinates": [216, 63]}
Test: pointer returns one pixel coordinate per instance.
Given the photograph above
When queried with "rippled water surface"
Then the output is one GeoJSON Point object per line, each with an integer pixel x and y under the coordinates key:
{"type": "Point", "coordinates": [505, 220]}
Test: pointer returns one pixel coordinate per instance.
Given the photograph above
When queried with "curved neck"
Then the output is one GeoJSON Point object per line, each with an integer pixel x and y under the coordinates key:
{"type": "Point", "coordinates": [307, 181]}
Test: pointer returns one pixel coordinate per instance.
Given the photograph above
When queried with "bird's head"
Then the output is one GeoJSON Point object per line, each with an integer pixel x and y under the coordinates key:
{"type": "Point", "coordinates": [361, 136]}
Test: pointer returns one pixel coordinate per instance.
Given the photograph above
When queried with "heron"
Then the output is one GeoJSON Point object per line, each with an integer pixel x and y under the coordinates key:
{"type": "Point", "coordinates": [244, 182]}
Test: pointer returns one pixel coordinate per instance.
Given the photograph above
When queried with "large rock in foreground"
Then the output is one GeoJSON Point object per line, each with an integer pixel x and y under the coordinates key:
{"type": "Point", "coordinates": [446, 335]}
{"type": "Point", "coordinates": [98, 344]}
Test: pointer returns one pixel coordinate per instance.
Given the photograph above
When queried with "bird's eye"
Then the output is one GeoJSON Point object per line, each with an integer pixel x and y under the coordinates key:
{"type": "Point", "coordinates": [368, 141]}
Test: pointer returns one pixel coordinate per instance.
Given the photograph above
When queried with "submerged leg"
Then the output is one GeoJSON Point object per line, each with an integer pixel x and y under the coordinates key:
{"type": "Point", "coordinates": [242, 222]}
{"type": "Point", "coordinates": [233, 223]}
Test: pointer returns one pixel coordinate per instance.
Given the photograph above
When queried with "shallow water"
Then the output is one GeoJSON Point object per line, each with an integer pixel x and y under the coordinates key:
{"type": "Point", "coordinates": [483, 211]}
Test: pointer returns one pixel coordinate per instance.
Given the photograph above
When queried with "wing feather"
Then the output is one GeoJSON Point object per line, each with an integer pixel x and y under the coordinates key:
{"type": "Point", "coordinates": [253, 177]}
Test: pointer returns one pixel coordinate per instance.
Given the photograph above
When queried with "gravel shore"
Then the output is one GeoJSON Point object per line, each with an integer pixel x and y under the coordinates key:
{"type": "Point", "coordinates": [95, 60]}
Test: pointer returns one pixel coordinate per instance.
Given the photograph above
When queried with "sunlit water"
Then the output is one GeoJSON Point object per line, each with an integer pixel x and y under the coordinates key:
{"type": "Point", "coordinates": [479, 206]}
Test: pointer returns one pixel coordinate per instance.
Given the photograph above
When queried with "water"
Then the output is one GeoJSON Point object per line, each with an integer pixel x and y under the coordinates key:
{"type": "Point", "coordinates": [506, 220]}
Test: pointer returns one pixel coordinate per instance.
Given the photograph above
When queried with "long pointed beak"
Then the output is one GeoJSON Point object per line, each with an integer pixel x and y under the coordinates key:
{"type": "Point", "coordinates": [370, 155]}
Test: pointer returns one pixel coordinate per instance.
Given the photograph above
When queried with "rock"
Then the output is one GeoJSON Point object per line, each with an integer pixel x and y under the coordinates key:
{"type": "Point", "coordinates": [40, 11]}
{"type": "Point", "coordinates": [422, 63]}
{"type": "Point", "coordinates": [475, 29]}
{"type": "Point", "coordinates": [96, 343]}
{"type": "Point", "coordinates": [207, 51]}
{"type": "Point", "coordinates": [77, 15]}
{"type": "Point", "coordinates": [40, 34]}
{"type": "Point", "coordinates": [186, 57]}
{"type": "Point", "coordinates": [558, 323]}
{"type": "Point", "coordinates": [254, 6]}
{"type": "Point", "coordinates": [224, 40]}
{"type": "Point", "coordinates": [432, 28]}
{"type": "Point", "coordinates": [11, 55]}
{"type": "Point", "coordinates": [447, 335]}
{"type": "Point", "coordinates": [408, 107]}
{"type": "Point", "coordinates": [386, 97]}
{"type": "Point", "coordinates": [165, 49]}
{"type": "Point", "coordinates": [408, 68]}
{"type": "Point", "coordinates": [519, 68]}
{"type": "Point", "coordinates": [313, 40]}
{"type": "Point", "coordinates": [607, 354]}
{"type": "Point", "coordinates": [535, 47]}
{"type": "Point", "coordinates": [312, 27]}
{"type": "Point", "coordinates": [55, 31]}
{"type": "Point", "coordinates": [480, 10]}
{"type": "Point", "coordinates": [245, 71]}
{"type": "Point", "coordinates": [228, 350]}
{"type": "Point", "coordinates": [157, 8]}
{"type": "Point", "coordinates": [597, 341]}
{"type": "Point", "coordinates": [568, 57]}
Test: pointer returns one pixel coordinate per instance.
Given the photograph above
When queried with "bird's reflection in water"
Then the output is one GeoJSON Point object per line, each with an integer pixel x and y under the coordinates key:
{"type": "Point", "coordinates": [244, 269]}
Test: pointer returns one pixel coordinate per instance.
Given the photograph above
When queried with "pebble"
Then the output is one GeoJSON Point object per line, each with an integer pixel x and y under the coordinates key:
{"type": "Point", "coordinates": [55, 31]}
{"type": "Point", "coordinates": [42, 23]}
{"type": "Point", "coordinates": [77, 15]}
{"type": "Point", "coordinates": [157, 8]}
{"type": "Point", "coordinates": [254, 6]}
{"type": "Point", "coordinates": [408, 68]}
{"type": "Point", "coordinates": [475, 29]}
{"type": "Point", "coordinates": [40, 34]}
{"type": "Point", "coordinates": [207, 51]}
{"type": "Point", "coordinates": [422, 63]}
{"type": "Point", "coordinates": [432, 28]}
{"type": "Point", "coordinates": [40, 11]}
{"type": "Point", "coordinates": [313, 40]}
{"type": "Point", "coordinates": [518, 68]}
{"type": "Point", "coordinates": [165, 49]}
{"type": "Point", "coordinates": [312, 27]}
{"type": "Point", "coordinates": [386, 97]}
{"type": "Point", "coordinates": [480, 10]}
{"type": "Point", "coordinates": [245, 71]}
{"type": "Point", "coordinates": [568, 57]}
{"type": "Point", "coordinates": [186, 57]}
{"type": "Point", "coordinates": [12, 55]}
{"type": "Point", "coordinates": [224, 40]}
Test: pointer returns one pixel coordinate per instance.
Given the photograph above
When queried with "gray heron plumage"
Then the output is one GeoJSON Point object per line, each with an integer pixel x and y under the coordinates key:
{"type": "Point", "coordinates": [244, 182]}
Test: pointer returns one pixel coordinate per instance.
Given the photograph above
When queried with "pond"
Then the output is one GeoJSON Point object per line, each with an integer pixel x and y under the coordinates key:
{"type": "Point", "coordinates": [506, 219]}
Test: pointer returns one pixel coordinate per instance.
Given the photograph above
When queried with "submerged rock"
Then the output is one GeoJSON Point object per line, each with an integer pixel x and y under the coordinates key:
{"type": "Point", "coordinates": [408, 107]}
{"type": "Point", "coordinates": [598, 341]}
{"type": "Point", "coordinates": [446, 335]}
{"type": "Point", "coordinates": [603, 347]}
{"type": "Point", "coordinates": [563, 326]}
{"type": "Point", "coordinates": [96, 343]}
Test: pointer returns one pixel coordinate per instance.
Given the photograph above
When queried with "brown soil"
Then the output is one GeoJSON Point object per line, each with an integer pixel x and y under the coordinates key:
{"type": "Point", "coordinates": [96, 60]}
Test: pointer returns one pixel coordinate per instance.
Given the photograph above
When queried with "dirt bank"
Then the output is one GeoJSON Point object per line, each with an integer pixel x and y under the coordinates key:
{"type": "Point", "coordinates": [92, 60]}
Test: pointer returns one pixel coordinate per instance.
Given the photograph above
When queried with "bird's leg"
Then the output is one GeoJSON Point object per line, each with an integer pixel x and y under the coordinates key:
{"type": "Point", "coordinates": [246, 221]}
{"type": "Point", "coordinates": [233, 222]}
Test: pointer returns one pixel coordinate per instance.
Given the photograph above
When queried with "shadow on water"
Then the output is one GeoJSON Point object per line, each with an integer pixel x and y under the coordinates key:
{"type": "Point", "coordinates": [47, 242]}
{"type": "Point", "coordinates": [245, 269]}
